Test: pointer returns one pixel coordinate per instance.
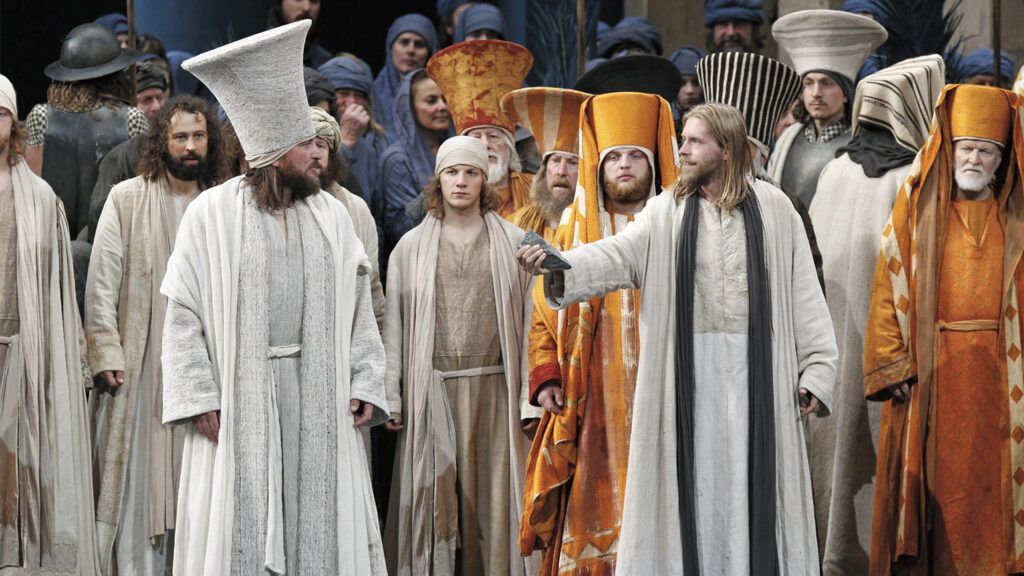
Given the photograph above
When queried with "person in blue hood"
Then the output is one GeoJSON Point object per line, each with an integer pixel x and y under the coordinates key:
{"type": "Point", "coordinates": [733, 25]}
{"type": "Point", "coordinates": [118, 24]}
{"type": "Point", "coordinates": [422, 123]}
{"type": "Point", "coordinates": [632, 35]}
{"type": "Point", "coordinates": [480, 22]}
{"type": "Point", "coordinates": [410, 41]}
{"type": "Point", "coordinates": [978, 67]}
{"type": "Point", "coordinates": [362, 139]}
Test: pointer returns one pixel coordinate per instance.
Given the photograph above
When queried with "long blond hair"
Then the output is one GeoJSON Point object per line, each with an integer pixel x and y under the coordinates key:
{"type": "Point", "coordinates": [726, 126]}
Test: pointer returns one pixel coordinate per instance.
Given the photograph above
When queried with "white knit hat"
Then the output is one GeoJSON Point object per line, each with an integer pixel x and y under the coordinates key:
{"type": "Point", "coordinates": [8, 97]}
{"type": "Point", "coordinates": [258, 80]}
{"type": "Point", "coordinates": [829, 40]}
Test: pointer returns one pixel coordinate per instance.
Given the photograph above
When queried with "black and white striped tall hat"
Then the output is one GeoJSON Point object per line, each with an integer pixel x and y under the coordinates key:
{"type": "Point", "coordinates": [760, 87]}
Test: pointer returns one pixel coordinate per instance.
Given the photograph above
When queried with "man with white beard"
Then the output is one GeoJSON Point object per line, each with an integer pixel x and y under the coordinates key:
{"type": "Point", "coordinates": [474, 76]}
{"type": "Point", "coordinates": [945, 348]}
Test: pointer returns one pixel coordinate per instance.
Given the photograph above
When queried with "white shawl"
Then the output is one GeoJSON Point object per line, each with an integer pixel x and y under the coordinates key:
{"type": "Point", "coordinates": [804, 355]}
{"type": "Point", "coordinates": [202, 275]}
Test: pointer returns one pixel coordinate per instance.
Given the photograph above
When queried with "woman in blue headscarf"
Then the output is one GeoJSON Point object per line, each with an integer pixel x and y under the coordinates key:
{"type": "Point", "coordinates": [411, 40]}
{"type": "Point", "coordinates": [422, 122]}
{"type": "Point", "coordinates": [480, 22]}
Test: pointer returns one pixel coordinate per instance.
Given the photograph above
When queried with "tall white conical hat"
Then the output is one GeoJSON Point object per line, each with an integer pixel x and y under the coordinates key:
{"type": "Point", "coordinates": [258, 81]}
{"type": "Point", "coordinates": [828, 40]}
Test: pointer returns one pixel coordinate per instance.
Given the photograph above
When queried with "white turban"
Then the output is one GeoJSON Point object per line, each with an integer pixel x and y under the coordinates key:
{"type": "Point", "coordinates": [8, 98]}
{"type": "Point", "coordinates": [461, 150]}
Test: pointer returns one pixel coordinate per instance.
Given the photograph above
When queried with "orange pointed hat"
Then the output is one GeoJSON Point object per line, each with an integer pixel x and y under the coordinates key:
{"type": "Point", "coordinates": [552, 115]}
{"type": "Point", "coordinates": [616, 120]}
{"type": "Point", "coordinates": [980, 112]}
{"type": "Point", "coordinates": [474, 75]}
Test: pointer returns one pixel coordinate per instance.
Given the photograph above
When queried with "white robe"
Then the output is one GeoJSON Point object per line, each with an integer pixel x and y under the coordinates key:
{"type": "Point", "coordinates": [849, 212]}
{"type": "Point", "coordinates": [644, 256]}
{"type": "Point", "coordinates": [202, 275]}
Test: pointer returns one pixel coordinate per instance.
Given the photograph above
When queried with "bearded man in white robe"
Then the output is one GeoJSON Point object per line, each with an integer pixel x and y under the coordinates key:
{"type": "Point", "coordinates": [47, 523]}
{"type": "Point", "coordinates": [137, 457]}
{"type": "Point", "coordinates": [272, 358]}
{"type": "Point", "coordinates": [739, 346]}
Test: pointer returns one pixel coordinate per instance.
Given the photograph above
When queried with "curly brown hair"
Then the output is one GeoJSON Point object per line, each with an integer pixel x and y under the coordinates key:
{"type": "Point", "coordinates": [16, 145]}
{"type": "Point", "coordinates": [112, 90]}
{"type": "Point", "coordinates": [152, 158]}
{"type": "Point", "coordinates": [490, 199]}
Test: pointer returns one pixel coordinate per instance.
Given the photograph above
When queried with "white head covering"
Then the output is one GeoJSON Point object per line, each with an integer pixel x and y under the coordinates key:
{"type": "Point", "coordinates": [258, 80]}
{"type": "Point", "coordinates": [901, 98]}
{"type": "Point", "coordinates": [461, 150]}
{"type": "Point", "coordinates": [829, 40]}
{"type": "Point", "coordinates": [8, 97]}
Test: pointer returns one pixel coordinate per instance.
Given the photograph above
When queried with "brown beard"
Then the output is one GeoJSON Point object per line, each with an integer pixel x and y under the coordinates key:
{"type": "Point", "coordinates": [541, 195]}
{"type": "Point", "coordinates": [299, 183]}
{"type": "Point", "coordinates": [634, 191]}
{"type": "Point", "coordinates": [694, 177]}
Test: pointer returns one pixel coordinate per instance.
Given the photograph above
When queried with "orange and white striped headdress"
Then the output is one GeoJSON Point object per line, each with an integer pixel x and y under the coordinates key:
{"type": "Point", "coordinates": [552, 115]}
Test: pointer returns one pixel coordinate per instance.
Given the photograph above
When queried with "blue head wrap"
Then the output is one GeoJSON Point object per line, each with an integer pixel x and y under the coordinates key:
{"type": "Point", "coordinates": [686, 59]}
{"type": "Point", "coordinates": [980, 62]}
{"type": "Point", "coordinates": [184, 82]}
{"type": "Point", "coordinates": [445, 8]}
{"type": "Point", "coordinates": [716, 11]}
{"type": "Point", "coordinates": [386, 84]}
{"type": "Point", "coordinates": [344, 73]}
{"type": "Point", "coordinates": [480, 17]}
{"type": "Point", "coordinates": [115, 22]}
{"type": "Point", "coordinates": [594, 63]}
{"type": "Point", "coordinates": [861, 7]}
{"type": "Point", "coordinates": [632, 30]}
{"type": "Point", "coordinates": [602, 29]}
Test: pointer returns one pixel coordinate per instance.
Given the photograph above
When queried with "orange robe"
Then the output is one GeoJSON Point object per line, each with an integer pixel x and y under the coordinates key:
{"type": "Point", "coordinates": [949, 493]}
{"type": "Point", "coordinates": [574, 503]}
{"type": "Point", "coordinates": [515, 195]}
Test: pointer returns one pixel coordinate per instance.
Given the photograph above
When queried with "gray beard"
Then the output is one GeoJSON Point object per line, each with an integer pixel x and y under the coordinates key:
{"type": "Point", "coordinates": [497, 172]}
{"type": "Point", "coordinates": [550, 206]}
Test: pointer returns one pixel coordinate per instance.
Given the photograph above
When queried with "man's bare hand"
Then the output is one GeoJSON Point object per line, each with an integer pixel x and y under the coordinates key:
{"type": "Point", "coordinates": [530, 259]}
{"type": "Point", "coordinates": [362, 411]}
{"type": "Point", "coordinates": [900, 392]}
{"type": "Point", "coordinates": [550, 398]}
{"type": "Point", "coordinates": [394, 423]}
{"type": "Point", "coordinates": [112, 379]}
{"type": "Point", "coordinates": [354, 121]}
{"type": "Point", "coordinates": [209, 425]}
{"type": "Point", "coordinates": [809, 403]}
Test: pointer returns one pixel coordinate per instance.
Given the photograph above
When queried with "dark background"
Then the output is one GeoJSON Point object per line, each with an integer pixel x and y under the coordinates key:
{"type": "Point", "coordinates": [31, 30]}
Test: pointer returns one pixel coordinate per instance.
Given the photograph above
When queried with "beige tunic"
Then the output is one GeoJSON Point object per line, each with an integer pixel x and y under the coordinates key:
{"type": "Point", "coordinates": [138, 458]}
{"type": "Point", "coordinates": [466, 338]}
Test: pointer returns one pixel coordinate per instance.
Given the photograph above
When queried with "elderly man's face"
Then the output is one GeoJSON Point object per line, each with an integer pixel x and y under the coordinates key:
{"type": "Point", "coordinates": [150, 101]}
{"type": "Point", "coordinates": [561, 172]}
{"type": "Point", "coordinates": [293, 10]}
{"type": "Point", "coordinates": [497, 146]}
{"type": "Point", "coordinates": [346, 97]}
{"type": "Point", "coordinates": [976, 162]}
{"type": "Point", "coordinates": [733, 36]}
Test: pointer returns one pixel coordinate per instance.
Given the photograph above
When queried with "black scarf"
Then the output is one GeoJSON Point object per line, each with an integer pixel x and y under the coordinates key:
{"type": "Point", "coordinates": [875, 149]}
{"type": "Point", "coordinates": [761, 469]}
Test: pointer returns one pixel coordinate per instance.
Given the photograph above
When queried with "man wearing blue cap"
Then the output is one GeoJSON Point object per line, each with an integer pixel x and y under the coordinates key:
{"type": "Point", "coordinates": [733, 25]}
{"type": "Point", "coordinates": [978, 68]}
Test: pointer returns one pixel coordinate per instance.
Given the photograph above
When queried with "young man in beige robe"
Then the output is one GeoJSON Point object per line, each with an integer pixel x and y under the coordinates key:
{"type": "Point", "coordinates": [47, 524]}
{"type": "Point", "coordinates": [453, 335]}
{"type": "Point", "coordinates": [137, 457]}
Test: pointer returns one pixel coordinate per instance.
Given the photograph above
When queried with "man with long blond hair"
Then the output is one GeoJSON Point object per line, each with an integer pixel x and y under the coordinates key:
{"type": "Point", "coordinates": [452, 333]}
{"type": "Point", "coordinates": [738, 346]}
{"type": "Point", "coordinates": [47, 523]}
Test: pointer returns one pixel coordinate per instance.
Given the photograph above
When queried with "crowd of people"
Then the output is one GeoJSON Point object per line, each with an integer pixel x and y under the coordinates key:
{"type": "Point", "coordinates": [264, 312]}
